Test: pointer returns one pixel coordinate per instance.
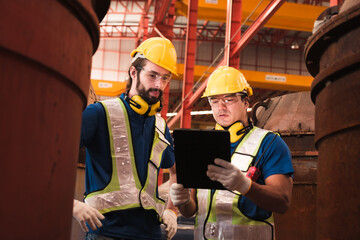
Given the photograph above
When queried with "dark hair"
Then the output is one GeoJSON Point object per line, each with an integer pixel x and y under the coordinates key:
{"type": "Point", "coordinates": [244, 97]}
{"type": "Point", "coordinates": [139, 63]}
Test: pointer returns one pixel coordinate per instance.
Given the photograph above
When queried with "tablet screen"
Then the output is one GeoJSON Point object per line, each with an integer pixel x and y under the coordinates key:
{"type": "Point", "coordinates": [194, 151]}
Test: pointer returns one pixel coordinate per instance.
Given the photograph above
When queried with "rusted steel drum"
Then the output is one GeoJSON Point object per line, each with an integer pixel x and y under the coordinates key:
{"type": "Point", "coordinates": [333, 57]}
{"type": "Point", "coordinates": [46, 50]}
{"type": "Point", "coordinates": [292, 115]}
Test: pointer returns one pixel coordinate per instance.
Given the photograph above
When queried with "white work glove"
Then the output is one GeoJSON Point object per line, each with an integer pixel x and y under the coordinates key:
{"type": "Point", "coordinates": [169, 219]}
{"type": "Point", "coordinates": [229, 176]}
{"type": "Point", "coordinates": [84, 213]}
{"type": "Point", "coordinates": [179, 195]}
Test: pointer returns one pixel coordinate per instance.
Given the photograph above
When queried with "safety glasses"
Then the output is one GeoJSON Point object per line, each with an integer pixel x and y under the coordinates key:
{"type": "Point", "coordinates": [227, 100]}
{"type": "Point", "coordinates": [154, 76]}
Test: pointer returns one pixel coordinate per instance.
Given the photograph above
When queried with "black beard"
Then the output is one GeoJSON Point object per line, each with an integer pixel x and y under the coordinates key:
{"type": "Point", "coordinates": [144, 94]}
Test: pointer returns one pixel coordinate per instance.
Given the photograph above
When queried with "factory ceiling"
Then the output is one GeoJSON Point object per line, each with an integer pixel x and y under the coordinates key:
{"type": "Point", "coordinates": [288, 27]}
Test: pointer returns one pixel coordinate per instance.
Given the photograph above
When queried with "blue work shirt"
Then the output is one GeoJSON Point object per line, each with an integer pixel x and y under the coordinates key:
{"type": "Point", "coordinates": [275, 160]}
{"type": "Point", "coordinates": [135, 223]}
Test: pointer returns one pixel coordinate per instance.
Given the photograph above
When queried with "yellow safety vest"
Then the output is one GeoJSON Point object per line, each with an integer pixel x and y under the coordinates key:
{"type": "Point", "coordinates": [124, 190]}
{"type": "Point", "coordinates": [226, 220]}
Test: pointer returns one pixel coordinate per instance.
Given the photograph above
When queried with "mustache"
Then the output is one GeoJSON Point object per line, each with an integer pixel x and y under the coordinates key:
{"type": "Point", "coordinates": [150, 99]}
{"type": "Point", "coordinates": [154, 90]}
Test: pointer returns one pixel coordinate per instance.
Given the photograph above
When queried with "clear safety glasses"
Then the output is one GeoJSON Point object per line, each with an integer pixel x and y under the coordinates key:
{"type": "Point", "coordinates": [227, 100]}
{"type": "Point", "coordinates": [154, 76]}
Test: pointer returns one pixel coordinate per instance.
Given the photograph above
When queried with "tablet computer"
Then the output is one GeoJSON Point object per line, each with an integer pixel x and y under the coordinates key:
{"type": "Point", "coordinates": [194, 151]}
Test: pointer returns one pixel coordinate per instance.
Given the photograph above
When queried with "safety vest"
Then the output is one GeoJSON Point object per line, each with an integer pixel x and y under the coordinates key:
{"type": "Point", "coordinates": [225, 220]}
{"type": "Point", "coordinates": [124, 190]}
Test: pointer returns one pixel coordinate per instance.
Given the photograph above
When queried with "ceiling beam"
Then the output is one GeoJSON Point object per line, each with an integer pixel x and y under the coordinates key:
{"type": "Point", "coordinates": [160, 15]}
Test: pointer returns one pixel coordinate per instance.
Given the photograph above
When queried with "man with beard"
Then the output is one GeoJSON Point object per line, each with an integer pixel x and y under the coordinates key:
{"type": "Point", "coordinates": [258, 180]}
{"type": "Point", "coordinates": [126, 144]}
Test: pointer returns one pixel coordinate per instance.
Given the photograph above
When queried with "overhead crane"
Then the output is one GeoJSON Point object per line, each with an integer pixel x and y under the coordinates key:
{"type": "Point", "coordinates": [290, 16]}
{"type": "Point", "coordinates": [258, 79]}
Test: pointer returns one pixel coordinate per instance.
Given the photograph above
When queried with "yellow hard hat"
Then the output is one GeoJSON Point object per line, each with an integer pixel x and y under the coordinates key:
{"type": "Point", "coordinates": [159, 51]}
{"type": "Point", "coordinates": [226, 80]}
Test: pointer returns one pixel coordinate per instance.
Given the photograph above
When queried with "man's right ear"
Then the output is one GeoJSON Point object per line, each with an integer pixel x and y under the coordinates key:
{"type": "Point", "coordinates": [133, 72]}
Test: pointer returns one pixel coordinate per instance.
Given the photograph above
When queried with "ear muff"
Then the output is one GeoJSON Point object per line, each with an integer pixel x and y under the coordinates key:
{"type": "Point", "coordinates": [154, 109]}
{"type": "Point", "coordinates": [140, 106]}
{"type": "Point", "coordinates": [236, 131]}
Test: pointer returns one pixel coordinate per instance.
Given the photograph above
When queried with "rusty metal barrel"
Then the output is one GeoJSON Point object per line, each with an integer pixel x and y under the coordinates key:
{"type": "Point", "coordinates": [332, 56]}
{"type": "Point", "coordinates": [46, 50]}
{"type": "Point", "coordinates": [292, 115]}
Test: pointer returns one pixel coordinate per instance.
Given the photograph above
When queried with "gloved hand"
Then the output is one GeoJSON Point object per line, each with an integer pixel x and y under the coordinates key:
{"type": "Point", "coordinates": [229, 176]}
{"type": "Point", "coordinates": [170, 221]}
{"type": "Point", "coordinates": [179, 195]}
{"type": "Point", "coordinates": [84, 213]}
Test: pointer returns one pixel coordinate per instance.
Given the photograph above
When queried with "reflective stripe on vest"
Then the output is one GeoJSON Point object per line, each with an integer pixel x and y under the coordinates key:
{"type": "Point", "coordinates": [148, 193]}
{"type": "Point", "coordinates": [226, 220]}
{"type": "Point", "coordinates": [124, 188]}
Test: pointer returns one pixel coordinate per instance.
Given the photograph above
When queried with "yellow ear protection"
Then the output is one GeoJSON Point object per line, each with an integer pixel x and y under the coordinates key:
{"type": "Point", "coordinates": [236, 130]}
{"type": "Point", "coordinates": [140, 106]}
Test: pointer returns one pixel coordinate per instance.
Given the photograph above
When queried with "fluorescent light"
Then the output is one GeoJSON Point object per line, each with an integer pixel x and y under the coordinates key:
{"type": "Point", "coordinates": [206, 112]}
{"type": "Point", "coordinates": [294, 45]}
{"type": "Point", "coordinates": [171, 114]}
{"type": "Point", "coordinates": [201, 112]}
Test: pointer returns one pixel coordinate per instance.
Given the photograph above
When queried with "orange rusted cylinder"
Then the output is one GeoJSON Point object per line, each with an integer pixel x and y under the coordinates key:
{"type": "Point", "coordinates": [333, 57]}
{"type": "Point", "coordinates": [46, 51]}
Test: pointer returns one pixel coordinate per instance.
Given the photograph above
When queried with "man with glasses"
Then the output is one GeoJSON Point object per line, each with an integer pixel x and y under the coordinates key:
{"type": "Point", "coordinates": [258, 179]}
{"type": "Point", "coordinates": [126, 144]}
